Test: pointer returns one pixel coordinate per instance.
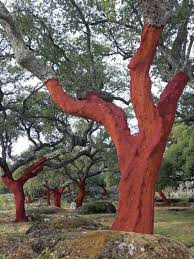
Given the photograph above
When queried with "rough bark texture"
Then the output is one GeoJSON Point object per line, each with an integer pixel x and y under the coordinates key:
{"type": "Point", "coordinates": [16, 186]}
{"type": "Point", "coordinates": [81, 192]}
{"type": "Point", "coordinates": [166, 201]}
{"type": "Point", "coordinates": [22, 53]}
{"type": "Point", "coordinates": [157, 12]}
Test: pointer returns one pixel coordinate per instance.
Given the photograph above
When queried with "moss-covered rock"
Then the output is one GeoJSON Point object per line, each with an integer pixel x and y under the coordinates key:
{"type": "Point", "coordinates": [97, 207]}
{"type": "Point", "coordinates": [63, 224]}
{"type": "Point", "coordinates": [114, 245]}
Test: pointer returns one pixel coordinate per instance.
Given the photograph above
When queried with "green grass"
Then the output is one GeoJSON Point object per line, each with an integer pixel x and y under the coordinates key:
{"type": "Point", "coordinates": [177, 225]}
{"type": "Point", "coordinates": [6, 202]}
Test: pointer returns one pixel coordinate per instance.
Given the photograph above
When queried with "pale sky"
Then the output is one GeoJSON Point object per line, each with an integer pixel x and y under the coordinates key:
{"type": "Point", "coordinates": [21, 145]}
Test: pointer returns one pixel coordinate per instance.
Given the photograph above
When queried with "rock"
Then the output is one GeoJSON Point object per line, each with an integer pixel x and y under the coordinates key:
{"type": "Point", "coordinates": [56, 226]}
{"type": "Point", "coordinates": [115, 245]}
{"type": "Point", "coordinates": [72, 206]}
{"type": "Point", "coordinates": [46, 219]}
{"type": "Point", "coordinates": [97, 207]}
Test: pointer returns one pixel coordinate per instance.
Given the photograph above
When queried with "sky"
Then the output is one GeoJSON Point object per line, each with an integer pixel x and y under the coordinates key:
{"type": "Point", "coordinates": [21, 145]}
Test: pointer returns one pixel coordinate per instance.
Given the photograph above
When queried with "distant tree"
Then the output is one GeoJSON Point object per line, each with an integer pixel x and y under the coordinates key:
{"type": "Point", "coordinates": [16, 185]}
{"type": "Point", "coordinates": [185, 111]}
{"type": "Point", "coordinates": [178, 163]}
{"type": "Point", "coordinates": [88, 163]}
{"type": "Point", "coordinates": [15, 122]}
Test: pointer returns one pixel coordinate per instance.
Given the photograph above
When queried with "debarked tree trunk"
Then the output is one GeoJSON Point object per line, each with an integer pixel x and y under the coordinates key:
{"type": "Point", "coordinates": [16, 188]}
{"type": "Point", "coordinates": [135, 211]}
{"type": "Point", "coordinates": [18, 192]}
{"type": "Point", "coordinates": [57, 198]}
{"type": "Point", "coordinates": [165, 200]}
{"type": "Point", "coordinates": [81, 192]}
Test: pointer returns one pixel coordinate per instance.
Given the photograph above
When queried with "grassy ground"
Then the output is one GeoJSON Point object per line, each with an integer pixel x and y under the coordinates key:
{"type": "Point", "coordinates": [174, 223]}
{"type": "Point", "coordinates": [177, 225]}
{"type": "Point", "coordinates": [6, 202]}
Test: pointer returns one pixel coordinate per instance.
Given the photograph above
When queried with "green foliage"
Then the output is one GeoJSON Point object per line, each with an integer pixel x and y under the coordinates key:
{"type": "Point", "coordinates": [4, 257]}
{"type": "Point", "coordinates": [3, 189]}
{"type": "Point", "coordinates": [175, 225]}
{"type": "Point", "coordinates": [46, 254]}
{"type": "Point", "coordinates": [112, 178]}
{"type": "Point", "coordinates": [6, 202]}
{"type": "Point", "coordinates": [178, 163]}
{"type": "Point", "coordinates": [13, 69]}
{"type": "Point", "coordinates": [186, 107]}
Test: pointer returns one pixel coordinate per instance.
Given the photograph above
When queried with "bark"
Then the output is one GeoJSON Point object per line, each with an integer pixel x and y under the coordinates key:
{"type": "Point", "coordinates": [136, 192]}
{"type": "Point", "coordinates": [16, 188]}
{"type": "Point", "coordinates": [57, 197]}
{"type": "Point", "coordinates": [157, 12]}
{"type": "Point", "coordinates": [81, 193]}
{"type": "Point", "coordinates": [166, 201]}
{"type": "Point", "coordinates": [32, 170]}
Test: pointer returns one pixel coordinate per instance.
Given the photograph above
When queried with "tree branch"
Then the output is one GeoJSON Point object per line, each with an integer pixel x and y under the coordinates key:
{"type": "Point", "coordinates": [139, 66]}
{"type": "Point", "coordinates": [23, 55]}
{"type": "Point", "coordinates": [167, 103]}
{"type": "Point", "coordinates": [32, 170]}
{"type": "Point", "coordinates": [93, 107]}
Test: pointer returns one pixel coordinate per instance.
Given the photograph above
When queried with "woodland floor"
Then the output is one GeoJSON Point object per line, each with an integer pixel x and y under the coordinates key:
{"type": "Point", "coordinates": [48, 226]}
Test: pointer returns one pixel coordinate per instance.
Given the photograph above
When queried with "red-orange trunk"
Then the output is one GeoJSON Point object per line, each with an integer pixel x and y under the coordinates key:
{"type": "Point", "coordinates": [18, 192]}
{"type": "Point", "coordinates": [16, 188]}
{"type": "Point", "coordinates": [81, 193]}
{"type": "Point", "coordinates": [139, 156]}
{"type": "Point", "coordinates": [20, 205]}
{"type": "Point", "coordinates": [57, 198]}
{"type": "Point", "coordinates": [166, 201]}
{"type": "Point", "coordinates": [135, 211]}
